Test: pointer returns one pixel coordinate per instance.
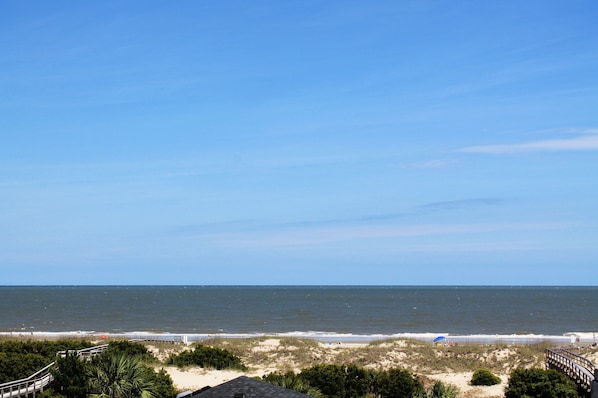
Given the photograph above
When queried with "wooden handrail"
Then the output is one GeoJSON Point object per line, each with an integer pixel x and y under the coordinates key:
{"type": "Point", "coordinates": [583, 361]}
{"type": "Point", "coordinates": [579, 369]}
{"type": "Point", "coordinates": [41, 372]}
{"type": "Point", "coordinates": [85, 352]}
{"type": "Point", "coordinates": [27, 386]}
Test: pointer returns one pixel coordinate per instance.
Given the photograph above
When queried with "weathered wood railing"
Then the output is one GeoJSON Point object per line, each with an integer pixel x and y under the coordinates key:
{"type": "Point", "coordinates": [36, 383]}
{"type": "Point", "coordinates": [579, 369]}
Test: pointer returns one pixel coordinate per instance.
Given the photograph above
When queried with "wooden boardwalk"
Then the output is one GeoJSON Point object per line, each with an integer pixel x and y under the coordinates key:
{"type": "Point", "coordinates": [34, 384]}
{"type": "Point", "coordinates": [579, 369]}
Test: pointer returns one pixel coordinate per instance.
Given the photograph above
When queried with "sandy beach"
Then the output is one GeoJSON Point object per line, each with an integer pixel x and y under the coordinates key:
{"type": "Point", "coordinates": [452, 364]}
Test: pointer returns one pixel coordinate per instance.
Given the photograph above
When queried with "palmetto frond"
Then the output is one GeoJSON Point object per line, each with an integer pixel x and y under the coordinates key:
{"type": "Point", "coordinates": [120, 376]}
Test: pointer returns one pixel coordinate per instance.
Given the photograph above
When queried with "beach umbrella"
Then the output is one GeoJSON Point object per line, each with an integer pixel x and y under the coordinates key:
{"type": "Point", "coordinates": [439, 338]}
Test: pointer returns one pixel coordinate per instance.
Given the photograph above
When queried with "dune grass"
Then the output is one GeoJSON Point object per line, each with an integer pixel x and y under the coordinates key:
{"type": "Point", "coordinates": [295, 353]}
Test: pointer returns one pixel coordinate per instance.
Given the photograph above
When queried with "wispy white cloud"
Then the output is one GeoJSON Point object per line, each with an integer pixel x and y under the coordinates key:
{"type": "Point", "coordinates": [582, 142]}
{"type": "Point", "coordinates": [255, 225]}
{"type": "Point", "coordinates": [303, 237]}
{"type": "Point", "coordinates": [488, 246]}
{"type": "Point", "coordinates": [461, 203]}
{"type": "Point", "coordinates": [427, 164]}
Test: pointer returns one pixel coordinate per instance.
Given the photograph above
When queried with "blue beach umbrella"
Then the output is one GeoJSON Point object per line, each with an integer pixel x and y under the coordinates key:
{"type": "Point", "coordinates": [439, 338]}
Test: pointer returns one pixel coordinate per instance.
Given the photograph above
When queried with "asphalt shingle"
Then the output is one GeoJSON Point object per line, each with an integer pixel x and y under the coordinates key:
{"type": "Point", "coordinates": [246, 387]}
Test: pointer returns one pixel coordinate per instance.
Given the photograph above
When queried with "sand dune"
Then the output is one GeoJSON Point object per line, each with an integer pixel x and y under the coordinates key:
{"type": "Point", "coordinates": [282, 356]}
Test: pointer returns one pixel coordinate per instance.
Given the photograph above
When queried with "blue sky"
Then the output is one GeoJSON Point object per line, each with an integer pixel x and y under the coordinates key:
{"type": "Point", "coordinates": [299, 142]}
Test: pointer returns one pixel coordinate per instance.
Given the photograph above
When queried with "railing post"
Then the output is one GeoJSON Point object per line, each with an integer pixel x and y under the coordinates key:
{"type": "Point", "coordinates": [594, 393]}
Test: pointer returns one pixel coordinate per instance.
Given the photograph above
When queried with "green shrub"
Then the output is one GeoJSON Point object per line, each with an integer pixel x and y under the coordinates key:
{"type": "Point", "coordinates": [163, 385]}
{"type": "Point", "coordinates": [338, 380]}
{"type": "Point", "coordinates": [484, 377]}
{"type": "Point", "coordinates": [70, 377]}
{"type": "Point", "coordinates": [351, 381]}
{"type": "Point", "coordinates": [129, 348]}
{"type": "Point", "coordinates": [292, 381]}
{"type": "Point", "coordinates": [20, 359]}
{"type": "Point", "coordinates": [15, 366]}
{"type": "Point", "coordinates": [44, 348]}
{"type": "Point", "coordinates": [207, 357]}
{"type": "Point", "coordinates": [441, 390]}
{"type": "Point", "coordinates": [398, 383]}
{"type": "Point", "coordinates": [537, 382]}
{"type": "Point", "coordinates": [49, 394]}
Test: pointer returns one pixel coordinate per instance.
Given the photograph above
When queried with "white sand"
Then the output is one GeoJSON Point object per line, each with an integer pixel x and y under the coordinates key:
{"type": "Point", "coordinates": [197, 378]}
{"type": "Point", "coordinates": [461, 380]}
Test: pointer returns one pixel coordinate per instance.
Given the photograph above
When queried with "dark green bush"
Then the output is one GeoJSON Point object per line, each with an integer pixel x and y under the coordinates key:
{"type": "Point", "coordinates": [20, 359]}
{"type": "Point", "coordinates": [49, 394]}
{"type": "Point", "coordinates": [338, 380]}
{"type": "Point", "coordinates": [292, 381]}
{"type": "Point", "coordinates": [129, 348]}
{"type": "Point", "coordinates": [351, 381]}
{"type": "Point", "coordinates": [207, 357]}
{"type": "Point", "coordinates": [398, 383]}
{"type": "Point", "coordinates": [18, 366]}
{"type": "Point", "coordinates": [540, 383]}
{"type": "Point", "coordinates": [163, 385]}
{"type": "Point", "coordinates": [484, 377]}
{"type": "Point", "coordinates": [70, 379]}
{"type": "Point", "coordinates": [44, 348]}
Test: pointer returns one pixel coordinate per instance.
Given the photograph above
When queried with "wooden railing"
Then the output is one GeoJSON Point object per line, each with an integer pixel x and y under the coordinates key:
{"type": "Point", "coordinates": [36, 383]}
{"type": "Point", "coordinates": [28, 386]}
{"type": "Point", "coordinates": [85, 352]}
{"type": "Point", "coordinates": [579, 369]}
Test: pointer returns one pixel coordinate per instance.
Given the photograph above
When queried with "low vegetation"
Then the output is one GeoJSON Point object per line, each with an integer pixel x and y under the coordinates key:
{"type": "Point", "coordinates": [348, 381]}
{"type": "Point", "coordinates": [420, 356]}
{"type": "Point", "coordinates": [19, 359]}
{"type": "Point", "coordinates": [484, 377]}
{"type": "Point", "coordinates": [391, 368]}
{"type": "Point", "coordinates": [132, 349]}
{"type": "Point", "coordinates": [207, 357]}
{"type": "Point", "coordinates": [542, 383]}
{"type": "Point", "coordinates": [441, 390]}
{"type": "Point", "coordinates": [121, 371]}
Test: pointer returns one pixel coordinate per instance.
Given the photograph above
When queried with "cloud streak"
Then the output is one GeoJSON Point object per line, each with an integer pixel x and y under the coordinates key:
{"type": "Point", "coordinates": [429, 164]}
{"type": "Point", "coordinates": [303, 237]}
{"type": "Point", "coordinates": [461, 203]}
{"type": "Point", "coordinates": [255, 225]}
{"type": "Point", "coordinates": [584, 142]}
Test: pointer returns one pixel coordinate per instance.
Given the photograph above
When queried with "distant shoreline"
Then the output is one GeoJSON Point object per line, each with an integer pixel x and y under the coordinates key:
{"type": "Point", "coordinates": [442, 338]}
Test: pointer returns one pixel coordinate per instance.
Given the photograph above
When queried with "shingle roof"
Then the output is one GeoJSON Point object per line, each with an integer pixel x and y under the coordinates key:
{"type": "Point", "coordinates": [246, 387]}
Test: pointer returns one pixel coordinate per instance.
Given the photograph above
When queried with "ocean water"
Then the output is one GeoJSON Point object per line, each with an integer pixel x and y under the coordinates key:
{"type": "Point", "coordinates": [309, 310]}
